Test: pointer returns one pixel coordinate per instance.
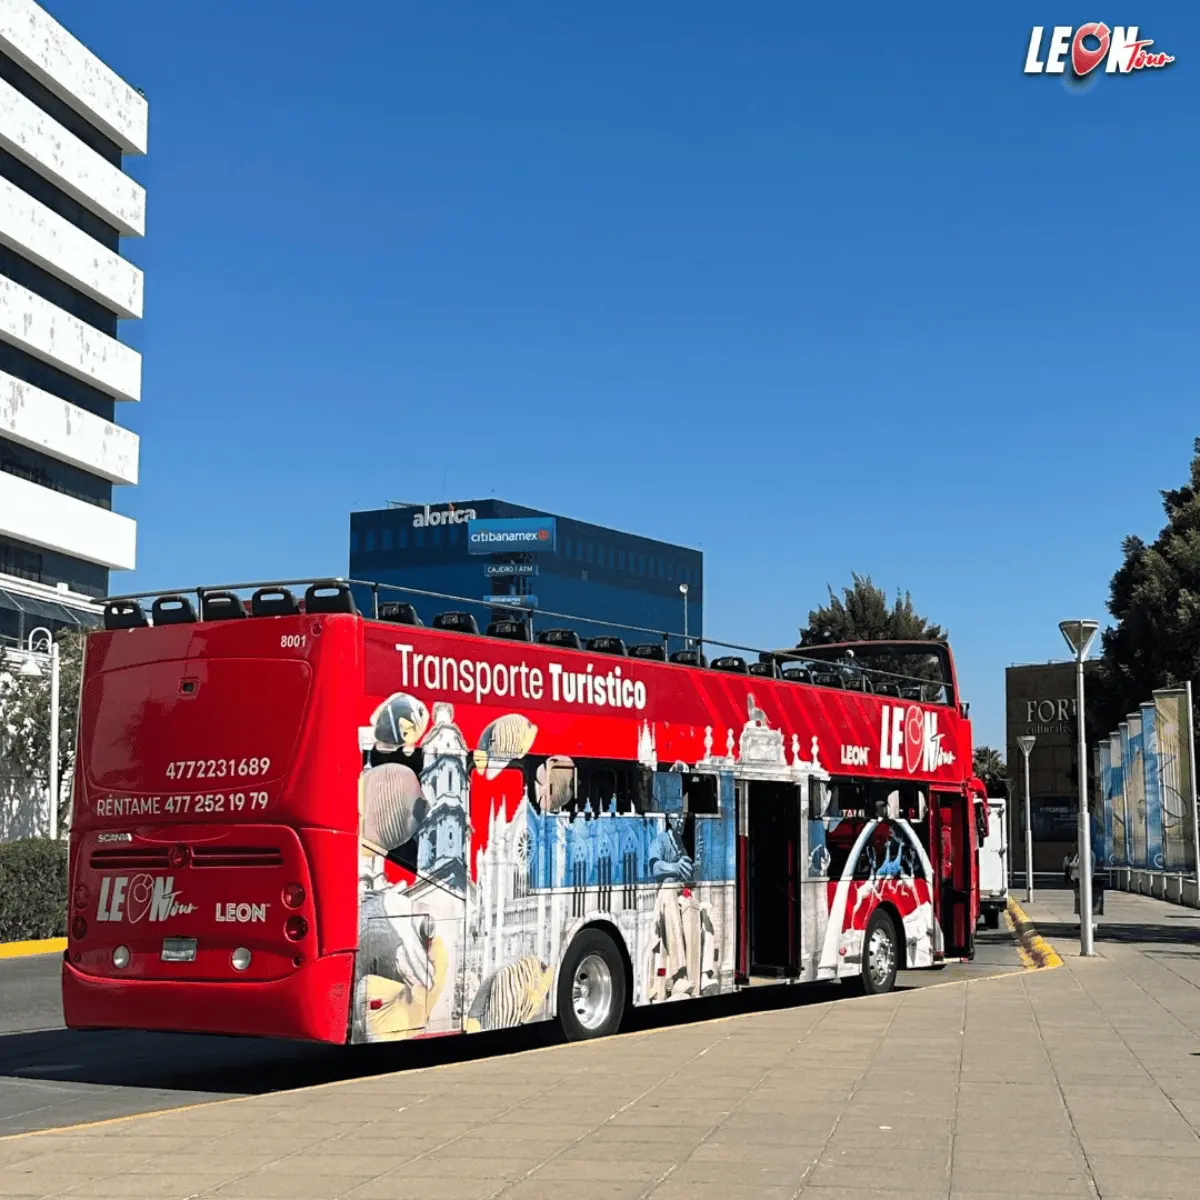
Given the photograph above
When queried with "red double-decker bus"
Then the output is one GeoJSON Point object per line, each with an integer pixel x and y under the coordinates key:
{"type": "Point", "coordinates": [293, 820]}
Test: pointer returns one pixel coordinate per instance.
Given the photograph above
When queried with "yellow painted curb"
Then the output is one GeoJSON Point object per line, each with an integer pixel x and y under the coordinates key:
{"type": "Point", "coordinates": [21, 949]}
{"type": "Point", "coordinates": [1022, 953]}
{"type": "Point", "coordinates": [1036, 953]}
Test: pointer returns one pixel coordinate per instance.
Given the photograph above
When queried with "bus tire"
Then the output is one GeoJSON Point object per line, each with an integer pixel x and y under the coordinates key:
{"type": "Point", "coordinates": [991, 918]}
{"type": "Point", "coordinates": [880, 956]}
{"type": "Point", "coordinates": [591, 987]}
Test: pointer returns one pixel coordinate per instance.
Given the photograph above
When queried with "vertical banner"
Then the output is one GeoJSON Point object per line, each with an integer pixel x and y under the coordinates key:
{"type": "Point", "coordinates": [1098, 801]}
{"type": "Point", "coordinates": [1151, 779]}
{"type": "Point", "coordinates": [1104, 774]}
{"type": "Point", "coordinates": [1135, 824]}
{"type": "Point", "coordinates": [1193, 806]}
{"type": "Point", "coordinates": [1116, 794]}
{"type": "Point", "coordinates": [1135, 786]}
{"type": "Point", "coordinates": [1173, 721]}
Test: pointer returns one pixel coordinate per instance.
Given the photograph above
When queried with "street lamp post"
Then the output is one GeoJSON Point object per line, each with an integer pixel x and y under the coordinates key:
{"type": "Point", "coordinates": [1079, 636]}
{"type": "Point", "coordinates": [31, 668]}
{"type": "Point", "coordinates": [1010, 786]}
{"type": "Point", "coordinates": [1026, 745]}
{"type": "Point", "coordinates": [54, 687]}
{"type": "Point", "coordinates": [683, 591]}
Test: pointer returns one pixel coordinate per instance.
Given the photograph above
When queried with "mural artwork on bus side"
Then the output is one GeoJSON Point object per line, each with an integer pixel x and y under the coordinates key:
{"type": "Point", "coordinates": [479, 865]}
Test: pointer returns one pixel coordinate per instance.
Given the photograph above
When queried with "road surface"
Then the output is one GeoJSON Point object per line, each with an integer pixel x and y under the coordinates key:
{"type": "Point", "coordinates": [51, 1077]}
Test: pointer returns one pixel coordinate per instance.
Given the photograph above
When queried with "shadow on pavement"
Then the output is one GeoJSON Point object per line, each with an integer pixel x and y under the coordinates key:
{"type": "Point", "coordinates": [1124, 932]}
{"type": "Point", "coordinates": [253, 1066]}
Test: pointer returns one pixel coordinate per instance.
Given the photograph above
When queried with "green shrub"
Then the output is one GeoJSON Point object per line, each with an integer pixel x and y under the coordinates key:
{"type": "Point", "coordinates": [33, 889]}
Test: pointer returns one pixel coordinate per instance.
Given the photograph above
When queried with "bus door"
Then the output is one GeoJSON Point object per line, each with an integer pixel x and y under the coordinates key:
{"type": "Point", "coordinates": [950, 816]}
{"type": "Point", "coordinates": [769, 879]}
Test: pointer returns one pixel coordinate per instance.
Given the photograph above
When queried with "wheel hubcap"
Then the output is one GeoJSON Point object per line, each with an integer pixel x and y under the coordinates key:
{"type": "Point", "coordinates": [592, 992]}
{"type": "Point", "coordinates": [880, 957]}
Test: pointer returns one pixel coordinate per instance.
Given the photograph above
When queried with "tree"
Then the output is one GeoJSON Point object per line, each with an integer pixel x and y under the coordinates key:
{"type": "Point", "coordinates": [989, 766]}
{"type": "Point", "coordinates": [25, 720]}
{"type": "Point", "coordinates": [862, 613]}
{"type": "Point", "coordinates": [1155, 601]}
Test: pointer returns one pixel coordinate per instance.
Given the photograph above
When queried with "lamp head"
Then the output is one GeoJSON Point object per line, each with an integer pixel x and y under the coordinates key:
{"type": "Point", "coordinates": [1079, 635]}
{"type": "Point", "coordinates": [40, 640]}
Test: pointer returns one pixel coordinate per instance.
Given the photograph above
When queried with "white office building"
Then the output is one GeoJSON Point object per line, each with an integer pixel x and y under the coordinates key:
{"type": "Point", "coordinates": [67, 121]}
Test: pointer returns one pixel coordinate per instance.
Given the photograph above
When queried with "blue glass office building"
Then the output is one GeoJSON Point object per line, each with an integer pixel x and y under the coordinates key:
{"type": "Point", "coordinates": [499, 555]}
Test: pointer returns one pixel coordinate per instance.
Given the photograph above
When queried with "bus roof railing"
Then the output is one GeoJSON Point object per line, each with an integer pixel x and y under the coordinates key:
{"type": "Point", "coordinates": [795, 655]}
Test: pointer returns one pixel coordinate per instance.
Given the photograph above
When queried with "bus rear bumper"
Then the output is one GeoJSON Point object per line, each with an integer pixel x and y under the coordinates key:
{"type": "Point", "coordinates": [311, 1005]}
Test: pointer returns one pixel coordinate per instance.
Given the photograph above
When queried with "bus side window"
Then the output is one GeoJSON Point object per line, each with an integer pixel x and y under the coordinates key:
{"type": "Point", "coordinates": [602, 789]}
{"type": "Point", "coordinates": [555, 785]}
{"type": "Point", "coordinates": [819, 798]}
{"type": "Point", "coordinates": [700, 795]}
{"type": "Point", "coordinates": [611, 786]}
{"type": "Point", "coordinates": [668, 792]}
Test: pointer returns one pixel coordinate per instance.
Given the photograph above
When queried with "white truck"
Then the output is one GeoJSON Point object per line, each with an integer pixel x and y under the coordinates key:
{"type": "Point", "coordinates": [993, 864]}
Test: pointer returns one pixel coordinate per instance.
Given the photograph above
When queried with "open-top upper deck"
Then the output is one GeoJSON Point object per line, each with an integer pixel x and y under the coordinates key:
{"type": "Point", "coordinates": [845, 710]}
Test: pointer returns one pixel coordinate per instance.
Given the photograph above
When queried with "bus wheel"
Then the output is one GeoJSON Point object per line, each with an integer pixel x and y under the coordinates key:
{"type": "Point", "coordinates": [591, 987]}
{"type": "Point", "coordinates": [881, 955]}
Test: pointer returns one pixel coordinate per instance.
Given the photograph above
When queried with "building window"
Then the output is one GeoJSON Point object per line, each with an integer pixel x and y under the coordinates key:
{"type": "Point", "coordinates": [437, 535]}
{"type": "Point", "coordinates": [48, 472]}
{"type": "Point", "coordinates": [385, 540]}
{"type": "Point", "coordinates": [370, 542]}
{"type": "Point", "coordinates": [612, 558]}
{"type": "Point", "coordinates": [53, 290]}
{"type": "Point", "coordinates": [620, 560]}
{"type": "Point", "coordinates": [20, 79]}
{"type": "Point", "coordinates": [591, 552]}
{"type": "Point", "coordinates": [402, 538]}
{"type": "Point", "coordinates": [46, 566]}
{"type": "Point", "coordinates": [452, 535]}
{"type": "Point", "coordinates": [419, 539]}
{"type": "Point", "coordinates": [40, 188]}
{"type": "Point", "coordinates": [567, 547]}
{"type": "Point", "coordinates": [354, 541]}
{"type": "Point", "coordinates": [20, 561]}
{"type": "Point", "coordinates": [58, 383]}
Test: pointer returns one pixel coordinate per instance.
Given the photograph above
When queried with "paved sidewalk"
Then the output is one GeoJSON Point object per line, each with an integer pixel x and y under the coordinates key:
{"type": "Point", "coordinates": [1078, 1081]}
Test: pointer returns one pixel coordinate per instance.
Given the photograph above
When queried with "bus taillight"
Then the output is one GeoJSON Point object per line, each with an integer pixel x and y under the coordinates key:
{"type": "Point", "coordinates": [296, 928]}
{"type": "Point", "coordinates": [293, 895]}
{"type": "Point", "coordinates": [178, 856]}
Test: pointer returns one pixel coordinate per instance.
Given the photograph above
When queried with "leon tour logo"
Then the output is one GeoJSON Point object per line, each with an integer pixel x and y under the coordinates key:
{"type": "Point", "coordinates": [1085, 47]}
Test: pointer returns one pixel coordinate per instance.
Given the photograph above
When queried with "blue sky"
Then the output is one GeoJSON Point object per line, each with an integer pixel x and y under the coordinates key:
{"type": "Point", "coordinates": [816, 293]}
